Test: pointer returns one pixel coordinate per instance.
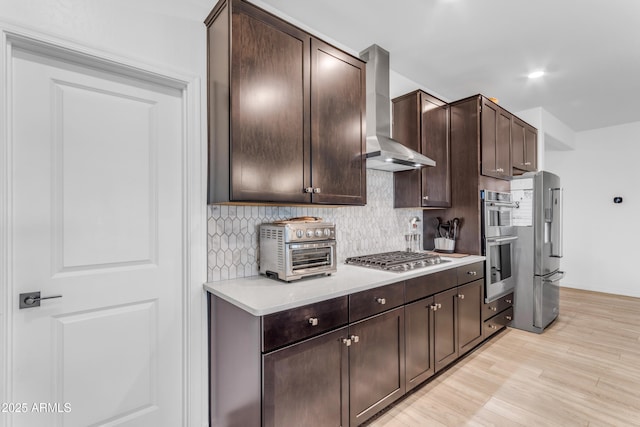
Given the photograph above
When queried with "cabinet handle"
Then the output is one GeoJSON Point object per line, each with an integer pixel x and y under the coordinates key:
{"type": "Point", "coordinates": [381, 301]}
{"type": "Point", "coordinates": [493, 308]}
{"type": "Point", "coordinates": [472, 273]}
{"type": "Point", "coordinates": [508, 318]}
{"type": "Point", "coordinates": [508, 301]}
{"type": "Point", "coordinates": [438, 306]}
{"type": "Point", "coordinates": [500, 170]}
{"type": "Point", "coordinates": [492, 326]}
{"type": "Point", "coordinates": [425, 197]}
{"type": "Point", "coordinates": [346, 341]}
{"type": "Point", "coordinates": [434, 307]}
{"type": "Point", "coordinates": [461, 296]}
{"type": "Point", "coordinates": [308, 190]}
{"type": "Point", "coordinates": [355, 338]}
{"type": "Point", "coordinates": [316, 190]}
{"type": "Point", "coordinates": [527, 163]}
{"type": "Point", "coordinates": [313, 321]}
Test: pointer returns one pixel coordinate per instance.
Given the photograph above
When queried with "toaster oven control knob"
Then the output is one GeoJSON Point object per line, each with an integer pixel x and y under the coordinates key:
{"type": "Point", "coordinates": [309, 233]}
{"type": "Point", "coordinates": [318, 233]}
{"type": "Point", "coordinates": [327, 232]}
{"type": "Point", "coordinates": [299, 234]}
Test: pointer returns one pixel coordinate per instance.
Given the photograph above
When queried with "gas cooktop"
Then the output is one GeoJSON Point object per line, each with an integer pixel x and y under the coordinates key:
{"type": "Point", "coordinates": [396, 261]}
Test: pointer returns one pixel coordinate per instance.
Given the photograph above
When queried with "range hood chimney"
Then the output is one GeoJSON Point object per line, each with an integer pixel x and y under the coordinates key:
{"type": "Point", "coordinates": [383, 153]}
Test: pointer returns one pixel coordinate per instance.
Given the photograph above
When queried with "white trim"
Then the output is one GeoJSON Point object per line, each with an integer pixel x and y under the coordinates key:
{"type": "Point", "coordinates": [194, 305]}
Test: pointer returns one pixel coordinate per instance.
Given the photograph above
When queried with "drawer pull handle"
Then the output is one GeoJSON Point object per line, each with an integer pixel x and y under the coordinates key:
{"type": "Point", "coordinates": [494, 308]}
{"type": "Point", "coordinates": [472, 273]}
{"type": "Point", "coordinates": [461, 296]}
{"type": "Point", "coordinates": [434, 307]}
{"type": "Point", "coordinates": [381, 301]}
{"type": "Point", "coordinates": [508, 318]}
{"type": "Point", "coordinates": [346, 341]}
{"type": "Point", "coordinates": [508, 301]}
{"type": "Point", "coordinates": [493, 327]}
{"type": "Point", "coordinates": [355, 338]}
{"type": "Point", "coordinates": [313, 321]}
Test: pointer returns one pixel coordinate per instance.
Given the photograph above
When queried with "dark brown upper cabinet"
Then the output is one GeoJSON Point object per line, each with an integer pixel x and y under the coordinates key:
{"type": "Point", "coordinates": [496, 140]}
{"type": "Point", "coordinates": [286, 112]}
{"type": "Point", "coordinates": [524, 147]}
{"type": "Point", "coordinates": [421, 122]}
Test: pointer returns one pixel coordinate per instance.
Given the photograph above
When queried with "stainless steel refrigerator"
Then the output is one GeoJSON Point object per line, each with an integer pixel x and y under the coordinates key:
{"type": "Point", "coordinates": [538, 249]}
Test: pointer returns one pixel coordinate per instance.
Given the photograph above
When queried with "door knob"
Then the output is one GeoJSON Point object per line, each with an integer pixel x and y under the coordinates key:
{"type": "Point", "coordinates": [32, 299]}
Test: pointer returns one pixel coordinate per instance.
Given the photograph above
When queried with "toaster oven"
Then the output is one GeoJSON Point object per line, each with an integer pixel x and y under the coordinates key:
{"type": "Point", "coordinates": [295, 248]}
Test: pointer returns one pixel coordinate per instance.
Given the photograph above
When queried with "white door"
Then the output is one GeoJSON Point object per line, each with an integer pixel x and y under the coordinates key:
{"type": "Point", "coordinates": [95, 216]}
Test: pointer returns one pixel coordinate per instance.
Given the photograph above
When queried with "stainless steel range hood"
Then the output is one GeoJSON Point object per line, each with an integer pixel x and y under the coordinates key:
{"type": "Point", "coordinates": [384, 153]}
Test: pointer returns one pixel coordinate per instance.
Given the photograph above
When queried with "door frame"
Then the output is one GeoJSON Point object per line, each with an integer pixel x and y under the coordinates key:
{"type": "Point", "coordinates": [194, 304]}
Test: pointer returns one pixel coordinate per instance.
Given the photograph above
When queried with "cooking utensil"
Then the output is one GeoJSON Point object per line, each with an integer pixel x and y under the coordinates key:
{"type": "Point", "coordinates": [438, 223]}
{"type": "Point", "coordinates": [456, 224]}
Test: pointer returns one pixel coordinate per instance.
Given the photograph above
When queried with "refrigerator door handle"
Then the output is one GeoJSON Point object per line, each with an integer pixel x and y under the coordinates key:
{"type": "Point", "coordinates": [501, 239]}
{"type": "Point", "coordinates": [557, 276]}
{"type": "Point", "coordinates": [555, 220]}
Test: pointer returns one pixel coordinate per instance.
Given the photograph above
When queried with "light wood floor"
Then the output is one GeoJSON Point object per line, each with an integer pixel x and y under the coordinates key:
{"type": "Point", "coordinates": [582, 371]}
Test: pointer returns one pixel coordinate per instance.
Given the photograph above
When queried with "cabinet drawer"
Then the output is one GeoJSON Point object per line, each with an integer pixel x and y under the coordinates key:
{"type": "Point", "coordinates": [430, 284]}
{"type": "Point", "coordinates": [494, 307]}
{"type": "Point", "coordinates": [498, 322]}
{"type": "Point", "coordinates": [293, 325]}
{"type": "Point", "coordinates": [471, 272]}
{"type": "Point", "coordinates": [373, 301]}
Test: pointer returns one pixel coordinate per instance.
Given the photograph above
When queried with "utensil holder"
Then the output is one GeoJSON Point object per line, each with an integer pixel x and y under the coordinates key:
{"type": "Point", "coordinates": [442, 244]}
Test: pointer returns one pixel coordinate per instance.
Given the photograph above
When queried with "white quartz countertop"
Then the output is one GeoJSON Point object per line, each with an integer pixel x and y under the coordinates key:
{"type": "Point", "coordinates": [260, 295]}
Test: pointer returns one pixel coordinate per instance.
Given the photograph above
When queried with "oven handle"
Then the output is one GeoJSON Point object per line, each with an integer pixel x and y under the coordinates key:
{"type": "Point", "coordinates": [505, 204]}
{"type": "Point", "coordinates": [501, 239]}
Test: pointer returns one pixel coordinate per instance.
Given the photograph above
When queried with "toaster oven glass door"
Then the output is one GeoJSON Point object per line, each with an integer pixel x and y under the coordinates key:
{"type": "Point", "coordinates": [312, 257]}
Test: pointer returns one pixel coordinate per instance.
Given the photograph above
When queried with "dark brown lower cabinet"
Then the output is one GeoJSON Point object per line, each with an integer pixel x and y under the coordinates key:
{"type": "Point", "coordinates": [307, 384]}
{"type": "Point", "coordinates": [445, 328]}
{"type": "Point", "coordinates": [376, 364]}
{"type": "Point", "coordinates": [419, 341]}
{"type": "Point", "coordinates": [470, 321]}
{"type": "Point", "coordinates": [458, 322]}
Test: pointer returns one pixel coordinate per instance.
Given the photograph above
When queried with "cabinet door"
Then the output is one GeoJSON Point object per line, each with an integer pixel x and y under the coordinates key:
{"type": "Point", "coordinates": [269, 109]}
{"type": "Point", "coordinates": [496, 140]}
{"type": "Point", "coordinates": [445, 328]}
{"type": "Point", "coordinates": [306, 384]}
{"type": "Point", "coordinates": [503, 144]}
{"type": "Point", "coordinates": [530, 148]}
{"type": "Point", "coordinates": [489, 117]}
{"type": "Point", "coordinates": [419, 320]}
{"type": "Point", "coordinates": [436, 181]}
{"type": "Point", "coordinates": [376, 364]}
{"type": "Point", "coordinates": [470, 322]}
{"type": "Point", "coordinates": [337, 128]}
{"type": "Point", "coordinates": [517, 145]}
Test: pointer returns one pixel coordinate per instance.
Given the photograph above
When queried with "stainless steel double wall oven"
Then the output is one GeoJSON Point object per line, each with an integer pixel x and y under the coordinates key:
{"type": "Point", "coordinates": [498, 242]}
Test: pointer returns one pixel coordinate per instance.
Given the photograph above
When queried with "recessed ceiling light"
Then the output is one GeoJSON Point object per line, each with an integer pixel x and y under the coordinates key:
{"type": "Point", "coordinates": [536, 74]}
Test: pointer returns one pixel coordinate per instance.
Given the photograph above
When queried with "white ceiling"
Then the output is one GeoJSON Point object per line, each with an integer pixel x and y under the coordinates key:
{"type": "Point", "coordinates": [590, 49]}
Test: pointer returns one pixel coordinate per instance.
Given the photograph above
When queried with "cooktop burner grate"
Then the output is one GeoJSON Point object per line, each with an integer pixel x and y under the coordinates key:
{"type": "Point", "coordinates": [396, 261]}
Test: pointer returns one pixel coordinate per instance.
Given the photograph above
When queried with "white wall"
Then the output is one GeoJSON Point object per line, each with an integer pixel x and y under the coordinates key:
{"type": "Point", "coordinates": [601, 245]}
{"type": "Point", "coordinates": [162, 33]}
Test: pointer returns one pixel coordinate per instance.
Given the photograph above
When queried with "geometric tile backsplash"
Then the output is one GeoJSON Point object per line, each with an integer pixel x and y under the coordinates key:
{"type": "Point", "coordinates": [232, 231]}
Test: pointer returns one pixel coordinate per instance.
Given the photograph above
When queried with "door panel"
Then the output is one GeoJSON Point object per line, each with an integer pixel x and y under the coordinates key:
{"type": "Point", "coordinates": [419, 342]}
{"type": "Point", "coordinates": [337, 132]}
{"type": "Point", "coordinates": [95, 216]}
{"type": "Point", "coordinates": [376, 364]}
{"type": "Point", "coordinates": [307, 384]}
{"type": "Point", "coordinates": [445, 327]}
{"type": "Point", "coordinates": [470, 302]}
{"type": "Point", "coordinates": [269, 112]}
